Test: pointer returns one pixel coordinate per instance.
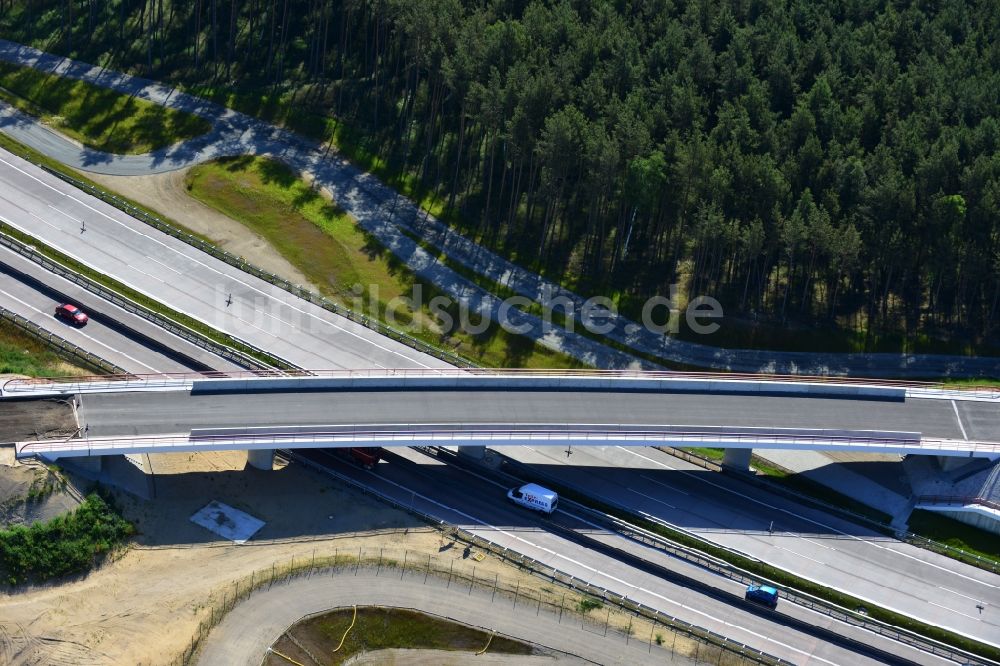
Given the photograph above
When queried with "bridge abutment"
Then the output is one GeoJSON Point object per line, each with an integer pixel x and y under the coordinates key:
{"type": "Point", "coordinates": [92, 464]}
{"type": "Point", "coordinates": [261, 459]}
{"type": "Point", "coordinates": [737, 460]}
{"type": "Point", "coordinates": [474, 452]}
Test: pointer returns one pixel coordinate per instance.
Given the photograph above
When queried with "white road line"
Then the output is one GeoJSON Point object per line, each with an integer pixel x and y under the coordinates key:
{"type": "Point", "coordinates": [91, 338]}
{"type": "Point", "coordinates": [169, 268]}
{"type": "Point", "coordinates": [220, 273]}
{"type": "Point", "coordinates": [632, 490]}
{"type": "Point", "coordinates": [483, 523]}
{"type": "Point", "coordinates": [821, 545]}
{"type": "Point", "coordinates": [665, 485]}
{"type": "Point", "coordinates": [941, 587]}
{"type": "Point", "coordinates": [817, 522]}
{"type": "Point", "coordinates": [800, 555]}
{"type": "Point", "coordinates": [959, 419]}
{"type": "Point", "coordinates": [62, 212]}
{"type": "Point", "coordinates": [44, 221]}
{"type": "Point", "coordinates": [952, 610]}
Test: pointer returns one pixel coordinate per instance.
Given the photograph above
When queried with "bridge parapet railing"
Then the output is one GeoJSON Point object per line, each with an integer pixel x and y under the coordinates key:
{"type": "Point", "coordinates": [698, 379]}
{"type": "Point", "coordinates": [481, 435]}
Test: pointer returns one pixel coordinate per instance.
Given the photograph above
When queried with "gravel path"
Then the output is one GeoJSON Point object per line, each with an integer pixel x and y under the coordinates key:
{"type": "Point", "coordinates": [385, 214]}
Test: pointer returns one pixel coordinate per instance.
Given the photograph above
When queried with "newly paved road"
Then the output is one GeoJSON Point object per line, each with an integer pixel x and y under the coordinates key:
{"type": "Point", "coordinates": [480, 506]}
{"type": "Point", "coordinates": [179, 412]}
{"type": "Point", "coordinates": [32, 292]}
{"type": "Point", "coordinates": [252, 626]}
{"type": "Point", "coordinates": [803, 540]}
{"type": "Point", "coordinates": [190, 281]}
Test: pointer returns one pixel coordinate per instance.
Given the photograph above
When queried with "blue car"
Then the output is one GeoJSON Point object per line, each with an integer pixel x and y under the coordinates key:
{"type": "Point", "coordinates": [762, 594]}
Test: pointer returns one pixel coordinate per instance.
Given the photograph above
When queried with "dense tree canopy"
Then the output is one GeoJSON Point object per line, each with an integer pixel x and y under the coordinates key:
{"type": "Point", "coordinates": [809, 159]}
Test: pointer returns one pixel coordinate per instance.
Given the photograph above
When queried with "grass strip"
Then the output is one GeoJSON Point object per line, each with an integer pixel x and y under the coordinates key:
{"type": "Point", "coordinates": [380, 628]}
{"type": "Point", "coordinates": [347, 264]}
{"type": "Point", "coordinates": [779, 576]}
{"type": "Point", "coordinates": [97, 117]}
{"type": "Point", "coordinates": [68, 544]}
{"type": "Point", "coordinates": [141, 299]}
{"type": "Point", "coordinates": [956, 534]}
{"type": "Point", "coordinates": [24, 354]}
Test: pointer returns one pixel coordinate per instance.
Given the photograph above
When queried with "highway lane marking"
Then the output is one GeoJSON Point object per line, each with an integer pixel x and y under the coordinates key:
{"type": "Point", "coordinates": [952, 610]}
{"type": "Point", "coordinates": [821, 545]}
{"type": "Point", "coordinates": [91, 338]}
{"type": "Point", "coordinates": [941, 587]}
{"type": "Point", "coordinates": [46, 222]}
{"type": "Point", "coordinates": [665, 485]}
{"type": "Point", "coordinates": [671, 506]}
{"type": "Point", "coordinates": [787, 550]}
{"type": "Point", "coordinates": [62, 212]}
{"type": "Point", "coordinates": [598, 572]}
{"type": "Point", "coordinates": [218, 272]}
{"type": "Point", "coordinates": [169, 268]}
{"type": "Point", "coordinates": [817, 522]}
{"type": "Point", "coordinates": [959, 419]}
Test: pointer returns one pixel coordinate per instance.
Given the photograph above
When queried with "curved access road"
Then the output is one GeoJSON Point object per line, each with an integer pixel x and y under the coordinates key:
{"type": "Point", "coordinates": [383, 213]}
{"type": "Point", "coordinates": [244, 636]}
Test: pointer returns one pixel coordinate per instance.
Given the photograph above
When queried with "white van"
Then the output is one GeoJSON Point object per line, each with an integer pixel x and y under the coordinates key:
{"type": "Point", "coordinates": [533, 496]}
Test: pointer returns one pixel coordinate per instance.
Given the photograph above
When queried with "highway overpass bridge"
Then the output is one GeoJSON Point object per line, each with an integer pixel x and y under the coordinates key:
{"type": "Point", "coordinates": [477, 408]}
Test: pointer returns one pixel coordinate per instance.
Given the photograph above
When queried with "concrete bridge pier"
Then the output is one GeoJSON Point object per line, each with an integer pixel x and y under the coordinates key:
{"type": "Point", "coordinates": [737, 460]}
{"type": "Point", "coordinates": [90, 464]}
{"type": "Point", "coordinates": [474, 452]}
{"type": "Point", "coordinates": [261, 459]}
{"type": "Point", "coordinates": [950, 463]}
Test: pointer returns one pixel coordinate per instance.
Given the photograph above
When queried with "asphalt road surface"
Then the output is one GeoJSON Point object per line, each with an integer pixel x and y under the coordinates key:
{"type": "Point", "coordinates": [480, 506]}
{"type": "Point", "coordinates": [178, 412]}
{"type": "Point", "coordinates": [802, 540]}
{"type": "Point", "coordinates": [138, 346]}
{"type": "Point", "coordinates": [189, 280]}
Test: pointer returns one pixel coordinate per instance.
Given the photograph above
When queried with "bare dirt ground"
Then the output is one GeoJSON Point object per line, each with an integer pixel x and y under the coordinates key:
{"type": "Point", "coordinates": [30, 492]}
{"type": "Point", "coordinates": [145, 605]}
{"type": "Point", "coordinates": [22, 420]}
{"type": "Point", "coordinates": [166, 193]}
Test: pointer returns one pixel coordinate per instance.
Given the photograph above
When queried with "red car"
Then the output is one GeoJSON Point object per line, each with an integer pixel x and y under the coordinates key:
{"type": "Point", "coordinates": [72, 314]}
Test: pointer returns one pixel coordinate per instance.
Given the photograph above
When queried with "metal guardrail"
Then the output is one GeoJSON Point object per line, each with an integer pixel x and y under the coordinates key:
{"type": "Point", "coordinates": [957, 500]}
{"type": "Point", "coordinates": [732, 572]}
{"type": "Point", "coordinates": [706, 377]}
{"type": "Point", "coordinates": [458, 433]}
{"type": "Point", "coordinates": [73, 351]}
{"type": "Point", "coordinates": [132, 307]}
{"type": "Point", "coordinates": [241, 263]}
{"type": "Point", "coordinates": [556, 575]}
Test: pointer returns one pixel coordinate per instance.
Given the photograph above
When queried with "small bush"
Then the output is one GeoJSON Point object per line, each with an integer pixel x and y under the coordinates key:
{"type": "Point", "coordinates": [64, 545]}
{"type": "Point", "coordinates": [587, 605]}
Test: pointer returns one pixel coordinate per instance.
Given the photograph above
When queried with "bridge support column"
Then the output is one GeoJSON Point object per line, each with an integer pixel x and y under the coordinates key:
{"type": "Point", "coordinates": [474, 452]}
{"type": "Point", "coordinates": [949, 463]}
{"type": "Point", "coordinates": [737, 460]}
{"type": "Point", "coordinates": [261, 459]}
{"type": "Point", "coordinates": [90, 464]}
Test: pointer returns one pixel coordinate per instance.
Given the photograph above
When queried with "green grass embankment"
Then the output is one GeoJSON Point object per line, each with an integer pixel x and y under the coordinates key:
{"type": "Point", "coordinates": [23, 354]}
{"type": "Point", "coordinates": [65, 545]}
{"type": "Point", "coordinates": [97, 117]}
{"type": "Point", "coordinates": [334, 253]}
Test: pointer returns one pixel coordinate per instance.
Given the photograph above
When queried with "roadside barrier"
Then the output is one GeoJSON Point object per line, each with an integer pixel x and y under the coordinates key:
{"type": "Point", "coordinates": [260, 273]}
{"type": "Point", "coordinates": [236, 356]}
{"type": "Point", "coordinates": [62, 346]}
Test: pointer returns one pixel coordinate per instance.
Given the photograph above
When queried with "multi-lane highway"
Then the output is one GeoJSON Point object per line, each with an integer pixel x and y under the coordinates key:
{"type": "Point", "coordinates": [803, 540]}
{"type": "Point", "coordinates": [129, 341]}
{"type": "Point", "coordinates": [189, 281]}
{"type": "Point", "coordinates": [479, 505]}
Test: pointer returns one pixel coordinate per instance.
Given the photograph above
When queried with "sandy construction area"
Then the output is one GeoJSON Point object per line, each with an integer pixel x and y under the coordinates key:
{"type": "Point", "coordinates": [165, 192]}
{"type": "Point", "coordinates": [144, 607]}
